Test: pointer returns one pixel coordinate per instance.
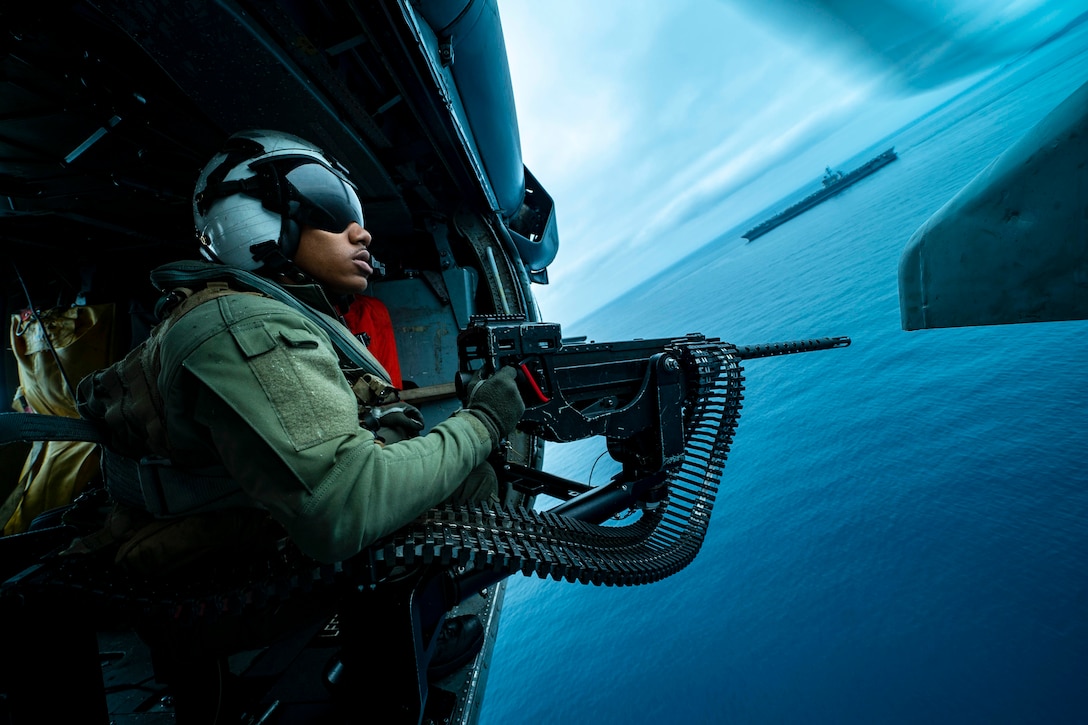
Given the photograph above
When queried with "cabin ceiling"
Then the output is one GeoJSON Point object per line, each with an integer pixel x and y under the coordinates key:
{"type": "Point", "coordinates": [109, 109]}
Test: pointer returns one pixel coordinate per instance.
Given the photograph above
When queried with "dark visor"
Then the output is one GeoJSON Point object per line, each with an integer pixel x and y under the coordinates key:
{"type": "Point", "coordinates": [324, 199]}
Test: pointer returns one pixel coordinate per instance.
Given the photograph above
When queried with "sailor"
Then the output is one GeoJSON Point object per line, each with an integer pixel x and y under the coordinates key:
{"type": "Point", "coordinates": [239, 401]}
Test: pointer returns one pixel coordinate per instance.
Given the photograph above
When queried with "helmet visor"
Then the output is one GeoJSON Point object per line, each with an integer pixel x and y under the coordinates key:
{"type": "Point", "coordinates": [323, 199]}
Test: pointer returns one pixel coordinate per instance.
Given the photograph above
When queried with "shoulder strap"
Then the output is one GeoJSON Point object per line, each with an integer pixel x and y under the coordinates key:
{"type": "Point", "coordinates": [29, 427]}
{"type": "Point", "coordinates": [180, 273]}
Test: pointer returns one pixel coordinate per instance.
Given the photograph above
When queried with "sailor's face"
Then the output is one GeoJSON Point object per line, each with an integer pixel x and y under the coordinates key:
{"type": "Point", "coordinates": [338, 261]}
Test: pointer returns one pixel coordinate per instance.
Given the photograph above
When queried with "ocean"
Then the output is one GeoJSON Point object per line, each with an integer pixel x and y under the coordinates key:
{"type": "Point", "coordinates": [901, 532]}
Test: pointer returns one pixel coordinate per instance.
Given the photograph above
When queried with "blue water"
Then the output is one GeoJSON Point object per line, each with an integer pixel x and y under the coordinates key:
{"type": "Point", "coordinates": [901, 534]}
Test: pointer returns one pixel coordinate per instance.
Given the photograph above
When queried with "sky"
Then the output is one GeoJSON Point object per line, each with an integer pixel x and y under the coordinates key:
{"type": "Point", "coordinates": [658, 127]}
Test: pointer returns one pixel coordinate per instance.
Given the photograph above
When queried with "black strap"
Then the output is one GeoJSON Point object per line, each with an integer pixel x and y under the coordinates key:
{"type": "Point", "coordinates": [39, 427]}
{"type": "Point", "coordinates": [250, 186]}
{"type": "Point", "coordinates": [155, 485]}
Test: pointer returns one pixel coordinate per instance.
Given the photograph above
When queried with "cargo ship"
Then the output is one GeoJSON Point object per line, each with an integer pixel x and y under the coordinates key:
{"type": "Point", "coordinates": [834, 182]}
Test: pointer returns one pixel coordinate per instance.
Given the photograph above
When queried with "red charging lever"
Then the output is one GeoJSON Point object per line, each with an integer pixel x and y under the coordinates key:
{"type": "Point", "coordinates": [530, 390]}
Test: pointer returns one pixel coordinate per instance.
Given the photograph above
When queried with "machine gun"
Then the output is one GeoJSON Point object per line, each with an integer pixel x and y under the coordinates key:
{"type": "Point", "coordinates": [645, 397]}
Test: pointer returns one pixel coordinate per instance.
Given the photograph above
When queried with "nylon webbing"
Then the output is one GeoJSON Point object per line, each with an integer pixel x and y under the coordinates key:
{"type": "Point", "coordinates": [30, 427]}
{"type": "Point", "coordinates": [186, 272]}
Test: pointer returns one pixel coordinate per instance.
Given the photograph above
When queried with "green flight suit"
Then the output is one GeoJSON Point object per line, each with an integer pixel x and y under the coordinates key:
{"type": "Point", "coordinates": [251, 384]}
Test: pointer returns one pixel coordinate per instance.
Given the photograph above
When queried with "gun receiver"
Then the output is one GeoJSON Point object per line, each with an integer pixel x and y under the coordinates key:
{"type": "Point", "coordinates": [635, 393]}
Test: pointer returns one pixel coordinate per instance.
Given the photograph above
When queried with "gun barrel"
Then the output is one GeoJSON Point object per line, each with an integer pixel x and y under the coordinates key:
{"type": "Point", "coordinates": [772, 349]}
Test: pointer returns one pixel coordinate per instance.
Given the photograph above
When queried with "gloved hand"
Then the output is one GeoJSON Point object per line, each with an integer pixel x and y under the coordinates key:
{"type": "Point", "coordinates": [394, 422]}
{"type": "Point", "coordinates": [496, 402]}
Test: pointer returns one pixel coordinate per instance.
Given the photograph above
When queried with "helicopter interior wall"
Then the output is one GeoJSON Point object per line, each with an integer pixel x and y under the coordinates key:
{"type": "Point", "coordinates": [425, 330]}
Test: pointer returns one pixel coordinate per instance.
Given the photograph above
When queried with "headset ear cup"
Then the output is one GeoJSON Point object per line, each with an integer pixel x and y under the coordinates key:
{"type": "Point", "coordinates": [291, 236]}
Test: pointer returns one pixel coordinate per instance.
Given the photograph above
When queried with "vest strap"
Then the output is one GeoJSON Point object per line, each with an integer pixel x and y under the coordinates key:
{"type": "Point", "coordinates": [155, 485]}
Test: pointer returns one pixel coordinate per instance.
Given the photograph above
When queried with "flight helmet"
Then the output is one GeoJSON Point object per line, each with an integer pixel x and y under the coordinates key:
{"type": "Point", "coordinates": [254, 195]}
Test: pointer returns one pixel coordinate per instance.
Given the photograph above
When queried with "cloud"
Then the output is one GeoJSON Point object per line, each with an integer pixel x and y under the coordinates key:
{"type": "Point", "coordinates": [655, 125]}
{"type": "Point", "coordinates": [918, 46]}
{"type": "Point", "coordinates": [633, 124]}
{"type": "Point", "coordinates": [771, 135]}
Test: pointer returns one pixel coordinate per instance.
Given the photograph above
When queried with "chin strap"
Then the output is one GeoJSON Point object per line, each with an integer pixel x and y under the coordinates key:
{"type": "Point", "coordinates": [272, 259]}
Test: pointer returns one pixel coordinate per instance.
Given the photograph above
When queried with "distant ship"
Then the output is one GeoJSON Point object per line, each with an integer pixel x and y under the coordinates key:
{"type": "Point", "coordinates": [833, 183]}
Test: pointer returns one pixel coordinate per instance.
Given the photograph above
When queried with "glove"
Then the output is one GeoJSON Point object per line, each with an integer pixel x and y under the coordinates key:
{"type": "Point", "coordinates": [496, 402]}
{"type": "Point", "coordinates": [394, 422]}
